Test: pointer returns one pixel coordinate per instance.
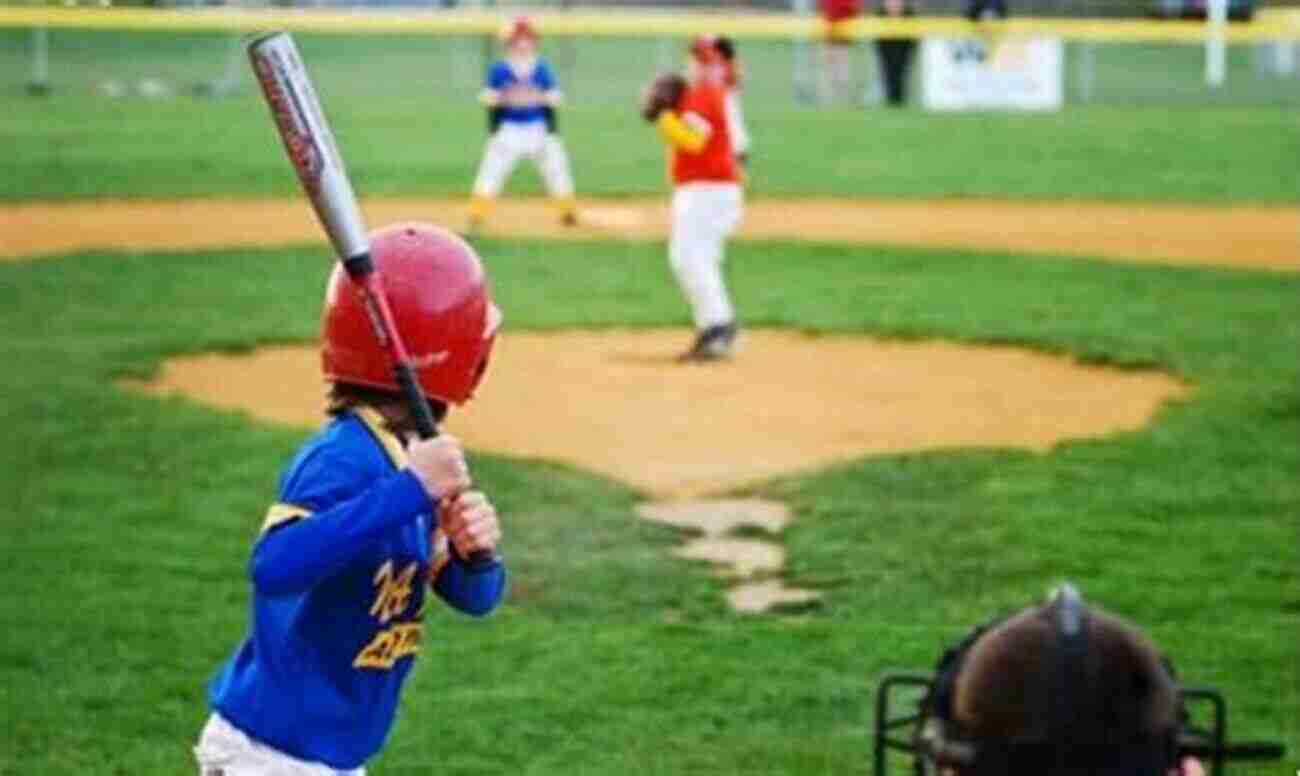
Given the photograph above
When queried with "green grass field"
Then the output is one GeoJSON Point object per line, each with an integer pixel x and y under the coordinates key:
{"type": "Point", "coordinates": [130, 519]}
{"type": "Point", "coordinates": [405, 114]}
{"type": "Point", "coordinates": [127, 520]}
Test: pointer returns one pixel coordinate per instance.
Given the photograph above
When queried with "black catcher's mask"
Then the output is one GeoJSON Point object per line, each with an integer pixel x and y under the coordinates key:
{"type": "Point", "coordinates": [915, 715]}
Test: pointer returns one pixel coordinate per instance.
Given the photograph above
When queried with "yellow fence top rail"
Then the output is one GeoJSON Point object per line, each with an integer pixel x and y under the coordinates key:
{"type": "Point", "coordinates": [611, 23]}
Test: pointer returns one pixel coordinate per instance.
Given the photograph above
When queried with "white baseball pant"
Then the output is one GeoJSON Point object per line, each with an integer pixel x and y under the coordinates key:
{"type": "Point", "coordinates": [511, 142]}
{"type": "Point", "coordinates": [705, 214]}
{"type": "Point", "coordinates": [224, 750]}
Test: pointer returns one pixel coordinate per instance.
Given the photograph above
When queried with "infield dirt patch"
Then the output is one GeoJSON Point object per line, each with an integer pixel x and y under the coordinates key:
{"type": "Point", "coordinates": [615, 402]}
{"type": "Point", "coordinates": [1262, 237]}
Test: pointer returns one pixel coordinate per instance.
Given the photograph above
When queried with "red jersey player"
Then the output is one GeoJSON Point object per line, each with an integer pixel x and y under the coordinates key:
{"type": "Point", "coordinates": [707, 198]}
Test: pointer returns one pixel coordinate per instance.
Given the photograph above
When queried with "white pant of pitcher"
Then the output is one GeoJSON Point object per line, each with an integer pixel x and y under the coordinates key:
{"type": "Point", "coordinates": [704, 216]}
{"type": "Point", "coordinates": [512, 142]}
{"type": "Point", "coordinates": [224, 750]}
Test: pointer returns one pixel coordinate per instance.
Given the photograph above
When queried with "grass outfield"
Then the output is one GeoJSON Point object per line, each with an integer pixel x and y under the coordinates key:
{"type": "Point", "coordinates": [85, 146]}
{"type": "Point", "coordinates": [128, 520]}
{"type": "Point", "coordinates": [408, 123]}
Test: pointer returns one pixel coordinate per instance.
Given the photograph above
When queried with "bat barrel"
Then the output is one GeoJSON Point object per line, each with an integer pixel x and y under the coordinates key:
{"type": "Point", "coordinates": [308, 140]}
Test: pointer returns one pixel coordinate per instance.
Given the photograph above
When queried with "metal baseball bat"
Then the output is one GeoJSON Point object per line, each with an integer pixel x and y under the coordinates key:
{"type": "Point", "coordinates": [310, 145]}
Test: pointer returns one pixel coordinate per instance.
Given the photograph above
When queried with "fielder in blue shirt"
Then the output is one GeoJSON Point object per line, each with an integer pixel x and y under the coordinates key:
{"type": "Point", "coordinates": [521, 95]}
{"type": "Point", "coordinates": [368, 523]}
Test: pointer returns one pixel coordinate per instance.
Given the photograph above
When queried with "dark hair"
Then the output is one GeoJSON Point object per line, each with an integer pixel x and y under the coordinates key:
{"type": "Point", "coordinates": [344, 397]}
{"type": "Point", "coordinates": [1008, 686]}
{"type": "Point", "coordinates": [726, 47]}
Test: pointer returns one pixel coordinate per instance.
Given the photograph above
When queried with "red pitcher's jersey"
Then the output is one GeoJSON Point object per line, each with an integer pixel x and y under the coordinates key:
{"type": "Point", "coordinates": [716, 162]}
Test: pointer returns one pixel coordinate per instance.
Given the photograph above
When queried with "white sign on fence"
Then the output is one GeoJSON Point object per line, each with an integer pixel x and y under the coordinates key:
{"type": "Point", "coordinates": [1002, 73]}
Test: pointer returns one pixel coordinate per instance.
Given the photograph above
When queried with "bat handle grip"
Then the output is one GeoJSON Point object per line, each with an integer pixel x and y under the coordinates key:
{"type": "Point", "coordinates": [427, 428]}
{"type": "Point", "coordinates": [425, 424]}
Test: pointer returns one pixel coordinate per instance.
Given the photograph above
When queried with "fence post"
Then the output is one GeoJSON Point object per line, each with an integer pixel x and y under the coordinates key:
{"type": "Point", "coordinates": [805, 73]}
{"type": "Point", "coordinates": [40, 45]}
{"type": "Point", "coordinates": [1085, 72]}
{"type": "Point", "coordinates": [1216, 54]}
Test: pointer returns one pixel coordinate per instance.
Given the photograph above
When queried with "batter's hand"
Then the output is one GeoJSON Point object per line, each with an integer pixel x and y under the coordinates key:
{"type": "Point", "coordinates": [470, 523]}
{"type": "Point", "coordinates": [439, 465]}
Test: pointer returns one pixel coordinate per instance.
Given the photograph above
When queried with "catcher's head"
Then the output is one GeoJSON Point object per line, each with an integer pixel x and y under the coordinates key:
{"type": "Point", "coordinates": [438, 293]}
{"type": "Point", "coordinates": [1059, 689]}
{"type": "Point", "coordinates": [519, 35]}
{"type": "Point", "coordinates": [663, 93]}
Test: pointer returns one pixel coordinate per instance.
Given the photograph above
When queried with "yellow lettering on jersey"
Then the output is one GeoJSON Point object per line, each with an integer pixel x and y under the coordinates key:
{"type": "Point", "coordinates": [394, 593]}
{"type": "Point", "coordinates": [279, 514]}
{"type": "Point", "coordinates": [391, 645]}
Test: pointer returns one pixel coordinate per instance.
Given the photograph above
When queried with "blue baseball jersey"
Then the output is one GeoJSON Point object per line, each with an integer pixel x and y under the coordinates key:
{"type": "Point", "coordinates": [502, 77]}
{"type": "Point", "coordinates": [339, 577]}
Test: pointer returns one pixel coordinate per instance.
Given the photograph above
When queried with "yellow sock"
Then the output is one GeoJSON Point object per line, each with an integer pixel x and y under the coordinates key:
{"type": "Point", "coordinates": [567, 206]}
{"type": "Point", "coordinates": [479, 207]}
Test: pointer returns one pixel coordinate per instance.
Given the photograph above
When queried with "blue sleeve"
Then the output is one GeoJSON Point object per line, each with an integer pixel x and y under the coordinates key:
{"type": "Point", "coordinates": [342, 522]}
{"type": "Point", "coordinates": [475, 592]}
{"type": "Point", "coordinates": [498, 76]}
{"type": "Point", "coordinates": [544, 77]}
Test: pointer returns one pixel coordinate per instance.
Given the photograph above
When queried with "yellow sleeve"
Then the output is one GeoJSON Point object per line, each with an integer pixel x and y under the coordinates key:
{"type": "Point", "coordinates": [678, 134]}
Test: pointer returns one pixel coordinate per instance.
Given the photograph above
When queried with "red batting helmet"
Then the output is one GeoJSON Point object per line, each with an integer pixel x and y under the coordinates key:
{"type": "Point", "coordinates": [438, 292]}
{"type": "Point", "coordinates": [519, 27]}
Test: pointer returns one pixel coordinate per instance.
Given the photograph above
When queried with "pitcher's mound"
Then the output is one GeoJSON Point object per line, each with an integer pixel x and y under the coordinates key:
{"type": "Point", "coordinates": [615, 402]}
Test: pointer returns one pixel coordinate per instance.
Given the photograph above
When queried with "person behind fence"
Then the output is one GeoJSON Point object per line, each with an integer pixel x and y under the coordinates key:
{"type": "Point", "coordinates": [837, 47]}
{"type": "Point", "coordinates": [985, 10]}
{"type": "Point", "coordinates": [895, 54]}
{"type": "Point", "coordinates": [1057, 689]}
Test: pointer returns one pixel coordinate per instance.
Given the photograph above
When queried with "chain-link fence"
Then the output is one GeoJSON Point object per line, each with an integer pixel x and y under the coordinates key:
{"type": "Point", "coordinates": [597, 69]}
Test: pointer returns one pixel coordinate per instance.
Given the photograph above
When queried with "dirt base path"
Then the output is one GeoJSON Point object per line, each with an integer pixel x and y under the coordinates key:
{"type": "Point", "coordinates": [1262, 237]}
{"type": "Point", "coordinates": [616, 402]}
{"type": "Point", "coordinates": [751, 566]}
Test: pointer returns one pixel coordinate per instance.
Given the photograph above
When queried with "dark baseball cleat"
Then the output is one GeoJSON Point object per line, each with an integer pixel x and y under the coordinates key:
{"type": "Point", "coordinates": [712, 344]}
{"type": "Point", "coordinates": [569, 219]}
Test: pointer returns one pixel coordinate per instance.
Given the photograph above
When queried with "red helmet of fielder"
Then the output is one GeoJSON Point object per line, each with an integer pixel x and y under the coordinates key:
{"type": "Point", "coordinates": [438, 293]}
{"type": "Point", "coordinates": [517, 28]}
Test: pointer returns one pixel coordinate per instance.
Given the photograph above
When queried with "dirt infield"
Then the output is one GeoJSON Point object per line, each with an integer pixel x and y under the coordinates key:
{"type": "Point", "coordinates": [616, 403]}
{"type": "Point", "coordinates": [1260, 237]}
